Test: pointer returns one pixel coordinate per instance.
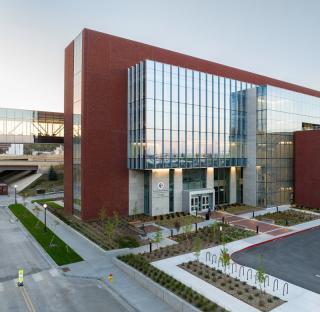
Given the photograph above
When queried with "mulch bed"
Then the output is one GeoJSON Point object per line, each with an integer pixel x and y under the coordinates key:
{"type": "Point", "coordinates": [233, 286]}
{"type": "Point", "coordinates": [288, 217]}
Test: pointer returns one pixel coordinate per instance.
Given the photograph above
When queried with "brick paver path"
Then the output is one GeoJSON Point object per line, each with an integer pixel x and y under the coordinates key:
{"type": "Point", "coordinates": [250, 224]}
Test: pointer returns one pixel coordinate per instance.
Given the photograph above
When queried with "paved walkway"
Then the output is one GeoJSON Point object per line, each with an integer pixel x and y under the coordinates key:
{"type": "Point", "coordinates": [250, 224]}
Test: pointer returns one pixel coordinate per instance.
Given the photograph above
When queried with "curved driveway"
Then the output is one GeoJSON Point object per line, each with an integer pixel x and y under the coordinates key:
{"type": "Point", "coordinates": [295, 258]}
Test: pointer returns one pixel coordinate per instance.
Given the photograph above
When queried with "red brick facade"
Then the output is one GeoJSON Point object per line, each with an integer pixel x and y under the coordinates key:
{"type": "Point", "coordinates": [307, 168]}
{"type": "Point", "coordinates": [106, 59]}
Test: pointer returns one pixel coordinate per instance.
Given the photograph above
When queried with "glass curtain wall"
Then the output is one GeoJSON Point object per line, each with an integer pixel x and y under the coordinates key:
{"type": "Point", "coordinates": [76, 168]}
{"type": "Point", "coordinates": [180, 118]}
{"type": "Point", "coordinates": [279, 113]}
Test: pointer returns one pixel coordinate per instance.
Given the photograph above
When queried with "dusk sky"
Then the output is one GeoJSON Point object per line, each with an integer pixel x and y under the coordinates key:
{"type": "Point", "coordinates": [277, 38]}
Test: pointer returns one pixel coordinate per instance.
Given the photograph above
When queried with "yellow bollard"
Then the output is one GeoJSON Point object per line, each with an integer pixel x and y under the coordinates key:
{"type": "Point", "coordinates": [110, 278]}
{"type": "Point", "coordinates": [20, 277]}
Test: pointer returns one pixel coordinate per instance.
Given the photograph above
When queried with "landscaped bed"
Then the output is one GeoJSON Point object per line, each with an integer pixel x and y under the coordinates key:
{"type": "Point", "coordinates": [317, 210]}
{"type": "Point", "coordinates": [174, 220]}
{"type": "Point", "coordinates": [44, 183]}
{"type": "Point", "coordinates": [57, 249]}
{"type": "Point", "coordinates": [108, 232]}
{"type": "Point", "coordinates": [239, 208]}
{"type": "Point", "coordinates": [207, 237]}
{"type": "Point", "coordinates": [241, 290]}
{"type": "Point", "coordinates": [288, 217]}
{"type": "Point", "coordinates": [139, 263]}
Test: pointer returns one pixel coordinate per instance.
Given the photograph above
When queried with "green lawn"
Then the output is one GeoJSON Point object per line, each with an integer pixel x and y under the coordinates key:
{"type": "Point", "coordinates": [60, 252]}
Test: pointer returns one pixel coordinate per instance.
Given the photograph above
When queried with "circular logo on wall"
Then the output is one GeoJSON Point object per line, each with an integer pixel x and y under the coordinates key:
{"type": "Point", "coordinates": [160, 186]}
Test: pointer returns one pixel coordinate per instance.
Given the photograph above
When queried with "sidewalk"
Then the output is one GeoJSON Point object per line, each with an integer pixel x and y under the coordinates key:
{"type": "Point", "coordinates": [98, 264]}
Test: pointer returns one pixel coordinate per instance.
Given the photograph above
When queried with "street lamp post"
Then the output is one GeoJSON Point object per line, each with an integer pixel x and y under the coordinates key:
{"type": "Point", "coordinates": [45, 217]}
{"type": "Point", "coordinates": [15, 193]}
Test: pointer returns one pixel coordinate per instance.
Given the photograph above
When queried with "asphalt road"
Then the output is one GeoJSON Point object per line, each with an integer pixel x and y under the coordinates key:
{"type": "Point", "coordinates": [46, 291]}
{"type": "Point", "coordinates": [295, 259]}
{"type": "Point", "coordinates": [46, 288]}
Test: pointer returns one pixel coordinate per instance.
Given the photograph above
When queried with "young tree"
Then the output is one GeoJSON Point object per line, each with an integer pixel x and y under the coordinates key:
{"type": "Point", "coordinates": [102, 214]}
{"type": "Point", "coordinates": [177, 226]}
{"type": "Point", "coordinates": [135, 210]}
{"type": "Point", "coordinates": [109, 229]}
{"type": "Point", "coordinates": [56, 223]}
{"type": "Point", "coordinates": [52, 174]}
{"type": "Point", "coordinates": [158, 238]}
{"type": "Point", "coordinates": [224, 258]}
{"type": "Point", "coordinates": [261, 275]}
{"type": "Point", "coordinates": [197, 248]}
{"type": "Point", "coordinates": [116, 218]}
{"type": "Point", "coordinates": [187, 228]}
{"type": "Point", "coordinates": [213, 231]}
{"type": "Point", "coordinates": [36, 210]}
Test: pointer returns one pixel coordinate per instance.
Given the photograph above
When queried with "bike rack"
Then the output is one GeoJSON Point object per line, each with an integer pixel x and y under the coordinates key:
{"type": "Point", "coordinates": [255, 278]}
{"type": "Point", "coordinates": [274, 282]}
{"type": "Point", "coordinates": [219, 262]}
{"type": "Point", "coordinates": [242, 267]}
{"type": "Point", "coordinates": [215, 258]}
{"type": "Point", "coordinates": [284, 287]}
{"type": "Point", "coordinates": [249, 270]}
{"type": "Point", "coordinates": [208, 254]}
{"type": "Point", "coordinates": [264, 283]}
{"type": "Point", "coordinates": [232, 264]}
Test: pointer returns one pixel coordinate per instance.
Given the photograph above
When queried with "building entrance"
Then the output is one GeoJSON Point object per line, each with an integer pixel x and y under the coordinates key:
{"type": "Point", "coordinates": [200, 202]}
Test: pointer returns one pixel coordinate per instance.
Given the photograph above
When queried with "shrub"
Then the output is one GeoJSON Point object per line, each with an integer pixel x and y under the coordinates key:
{"type": "Point", "coordinates": [239, 292]}
{"type": "Point", "coordinates": [128, 242]}
{"type": "Point", "coordinates": [261, 303]}
{"type": "Point", "coordinates": [250, 297]}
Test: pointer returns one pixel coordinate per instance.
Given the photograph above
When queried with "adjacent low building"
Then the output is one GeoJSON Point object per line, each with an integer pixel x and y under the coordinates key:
{"type": "Point", "coordinates": [306, 168]}
{"type": "Point", "coordinates": [153, 131]}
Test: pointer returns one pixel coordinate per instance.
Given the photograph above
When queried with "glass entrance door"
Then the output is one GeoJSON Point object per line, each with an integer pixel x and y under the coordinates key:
{"type": "Point", "coordinates": [200, 202]}
{"type": "Point", "coordinates": [194, 203]}
{"type": "Point", "coordinates": [205, 202]}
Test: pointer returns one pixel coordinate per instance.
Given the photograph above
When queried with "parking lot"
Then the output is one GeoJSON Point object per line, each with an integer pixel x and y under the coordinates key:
{"type": "Point", "coordinates": [295, 259]}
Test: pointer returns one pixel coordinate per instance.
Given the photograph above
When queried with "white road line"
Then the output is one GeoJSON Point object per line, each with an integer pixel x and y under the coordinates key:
{"type": "Point", "coordinates": [317, 275]}
{"type": "Point", "coordinates": [27, 299]}
{"type": "Point", "coordinates": [37, 277]}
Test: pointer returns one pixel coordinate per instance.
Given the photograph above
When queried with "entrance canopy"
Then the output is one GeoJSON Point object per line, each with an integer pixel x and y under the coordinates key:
{"type": "Point", "coordinates": [197, 200]}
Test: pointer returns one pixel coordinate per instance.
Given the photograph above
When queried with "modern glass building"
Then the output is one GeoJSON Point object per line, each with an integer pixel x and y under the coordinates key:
{"type": "Point", "coordinates": [183, 119]}
{"type": "Point", "coordinates": [153, 131]}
